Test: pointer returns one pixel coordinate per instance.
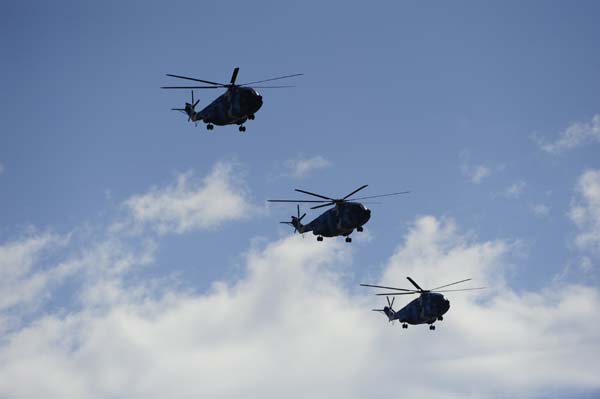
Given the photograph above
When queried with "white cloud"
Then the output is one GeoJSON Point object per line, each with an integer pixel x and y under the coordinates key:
{"type": "Point", "coordinates": [291, 327]}
{"type": "Point", "coordinates": [35, 268]}
{"type": "Point", "coordinates": [19, 285]}
{"type": "Point", "coordinates": [577, 134]}
{"type": "Point", "coordinates": [475, 173]}
{"type": "Point", "coordinates": [540, 210]}
{"type": "Point", "coordinates": [585, 211]}
{"type": "Point", "coordinates": [515, 190]}
{"type": "Point", "coordinates": [193, 204]}
{"type": "Point", "coordinates": [302, 167]}
{"type": "Point", "coordinates": [585, 265]}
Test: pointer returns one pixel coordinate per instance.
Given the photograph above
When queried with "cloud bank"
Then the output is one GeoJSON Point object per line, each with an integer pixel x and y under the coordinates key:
{"type": "Point", "coordinates": [296, 325]}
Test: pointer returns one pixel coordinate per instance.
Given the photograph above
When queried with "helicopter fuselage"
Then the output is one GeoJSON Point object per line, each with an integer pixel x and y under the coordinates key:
{"type": "Point", "coordinates": [346, 215]}
{"type": "Point", "coordinates": [233, 107]}
{"type": "Point", "coordinates": [341, 220]}
{"type": "Point", "coordinates": [426, 309]}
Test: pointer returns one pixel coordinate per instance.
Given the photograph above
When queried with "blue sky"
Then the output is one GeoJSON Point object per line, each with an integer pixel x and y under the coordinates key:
{"type": "Point", "coordinates": [488, 113]}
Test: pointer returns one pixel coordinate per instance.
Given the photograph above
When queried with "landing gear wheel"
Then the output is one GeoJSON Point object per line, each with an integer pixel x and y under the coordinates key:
{"type": "Point", "coordinates": [348, 239]}
{"type": "Point", "coordinates": [251, 117]}
{"type": "Point", "coordinates": [242, 128]}
{"type": "Point", "coordinates": [210, 126]}
{"type": "Point", "coordinates": [404, 325]}
{"type": "Point", "coordinates": [432, 327]}
{"type": "Point", "coordinates": [441, 318]}
{"type": "Point", "coordinates": [359, 229]}
{"type": "Point", "coordinates": [319, 238]}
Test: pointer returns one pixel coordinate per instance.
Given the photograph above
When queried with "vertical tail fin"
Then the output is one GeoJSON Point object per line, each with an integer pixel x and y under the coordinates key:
{"type": "Point", "coordinates": [389, 312]}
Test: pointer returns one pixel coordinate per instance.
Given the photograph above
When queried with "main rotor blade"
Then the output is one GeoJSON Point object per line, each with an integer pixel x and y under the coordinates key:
{"type": "Point", "coordinates": [313, 194]}
{"type": "Point", "coordinates": [177, 109]}
{"type": "Point", "coordinates": [398, 293]}
{"type": "Point", "coordinates": [355, 191]}
{"type": "Point", "coordinates": [382, 195]}
{"type": "Point", "coordinates": [234, 75]}
{"type": "Point", "coordinates": [271, 87]}
{"type": "Point", "coordinates": [191, 87]}
{"type": "Point", "coordinates": [463, 289]}
{"type": "Point", "coordinates": [195, 80]}
{"type": "Point", "coordinates": [268, 80]}
{"type": "Point", "coordinates": [387, 288]}
{"type": "Point", "coordinates": [448, 285]}
{"type": "Point", "coordinates": [313, 201]}
{"type": "Point", "coordinates": [321, 206]}
{"type": "Point", "coordinates": [415, 284]}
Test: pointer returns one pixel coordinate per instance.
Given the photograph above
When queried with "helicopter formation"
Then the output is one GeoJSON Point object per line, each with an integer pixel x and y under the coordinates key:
{"type": "Point", "coordinates": [240, 103]}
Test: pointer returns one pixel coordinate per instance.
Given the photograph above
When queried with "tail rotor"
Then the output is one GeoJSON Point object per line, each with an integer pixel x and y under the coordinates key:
{"type": "Point", "coordinates": [190, 109]}
{"type": "Point", "coordinates": [296, 221]}
{"type": "Point", "coordinates": [388, 310]}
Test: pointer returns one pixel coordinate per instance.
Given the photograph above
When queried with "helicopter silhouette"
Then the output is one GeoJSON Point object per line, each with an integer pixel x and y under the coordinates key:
{"type": "Point", "coordinates": [234, 107]}
{"type": "Point", "coordinates": [341, 220]}
{"type": "Point", "coordinates": [428, 308]}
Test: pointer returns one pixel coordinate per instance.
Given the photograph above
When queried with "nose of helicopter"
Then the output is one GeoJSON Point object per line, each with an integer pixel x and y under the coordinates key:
{"type": "Point", "coordinates": [445, 305]}
{"type": "Point", "coordinates": [257, 100]}
{"type": "Point", "coordinates": [367, 215]}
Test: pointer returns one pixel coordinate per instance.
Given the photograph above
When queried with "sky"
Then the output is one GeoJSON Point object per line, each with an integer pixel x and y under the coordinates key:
{"type": "Point", "coordinates": [138, 254]}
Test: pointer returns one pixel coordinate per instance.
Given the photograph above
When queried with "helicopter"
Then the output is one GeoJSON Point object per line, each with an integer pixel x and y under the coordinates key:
{"type": "Point", "coordinates": [341, 220]}
{"type": "Point", "coordinates": [234, 107]}
{"type": "Point", "coordinates": [428, 308]}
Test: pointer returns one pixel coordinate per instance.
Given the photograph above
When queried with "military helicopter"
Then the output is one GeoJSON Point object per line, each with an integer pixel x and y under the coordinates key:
{"type": "Point", "coordinates": [234, 107]}
{"type": "Point", "coordinates": [428, 308]}
{"type": "Point", "coordinates": [341, 220]}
